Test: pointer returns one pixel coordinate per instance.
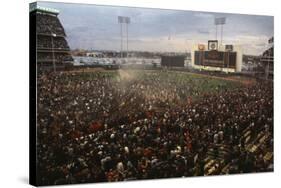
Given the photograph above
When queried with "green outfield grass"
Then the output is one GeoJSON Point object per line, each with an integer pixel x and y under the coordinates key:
{"type": "Point", "coordinates": [199, 84]}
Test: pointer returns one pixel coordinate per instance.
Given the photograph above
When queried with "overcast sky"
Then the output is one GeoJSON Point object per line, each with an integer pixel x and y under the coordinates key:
{"type": "Point", "coordinates": [96, 27]}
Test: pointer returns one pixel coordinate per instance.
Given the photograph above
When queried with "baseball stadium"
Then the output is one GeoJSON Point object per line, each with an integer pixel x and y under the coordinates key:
{"type": "Point", "coordinates": [113, 116]}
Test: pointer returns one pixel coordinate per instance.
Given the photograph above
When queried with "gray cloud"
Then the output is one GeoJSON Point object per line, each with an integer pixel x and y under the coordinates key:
{"type": "Point", "coordinates": [96, 27]}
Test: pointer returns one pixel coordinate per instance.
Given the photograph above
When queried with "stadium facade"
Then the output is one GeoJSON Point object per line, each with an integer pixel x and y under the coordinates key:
{"type": "Point", "coordinates": [215, 57]}
{"type": "Point", "coordinates": [52, 48]}
{"type": "Point", "coordinates": [267, 60]}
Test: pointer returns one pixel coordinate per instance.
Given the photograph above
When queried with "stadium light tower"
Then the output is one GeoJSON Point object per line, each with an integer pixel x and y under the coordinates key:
{"type": "Point", "coordinates": [123, 20]}
{"type": "Point", "coordinates": [219, 21]}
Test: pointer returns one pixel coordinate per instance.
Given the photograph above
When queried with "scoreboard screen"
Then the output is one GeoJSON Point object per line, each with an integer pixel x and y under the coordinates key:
{"type": "Point", "coordinates": [172, 61]}
{"type": "Point", "coordinates": [215, 59]}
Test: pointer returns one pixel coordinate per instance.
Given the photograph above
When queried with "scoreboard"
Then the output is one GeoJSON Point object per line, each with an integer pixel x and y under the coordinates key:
{"type": "Point", "coordinates": [214, 58]}
{"type": "Point", "coordinates": [172, 61]}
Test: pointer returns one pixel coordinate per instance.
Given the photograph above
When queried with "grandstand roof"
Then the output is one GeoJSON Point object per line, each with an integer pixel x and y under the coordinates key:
{"type": "Point", "coordinates": [34, 7]}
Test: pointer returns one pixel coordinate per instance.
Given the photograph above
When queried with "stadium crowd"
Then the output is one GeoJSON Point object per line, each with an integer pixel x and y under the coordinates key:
{"type": "Point", "coordinates": [48, 24]}
{"type": "Point", "coordinates": [100, 127]}
{"type": "Point", "coordinates": [59, 57]}
{"type": "Point", "coordinates": [58, 42]}
{"type": "Point", "coordinates": [51, 39]}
